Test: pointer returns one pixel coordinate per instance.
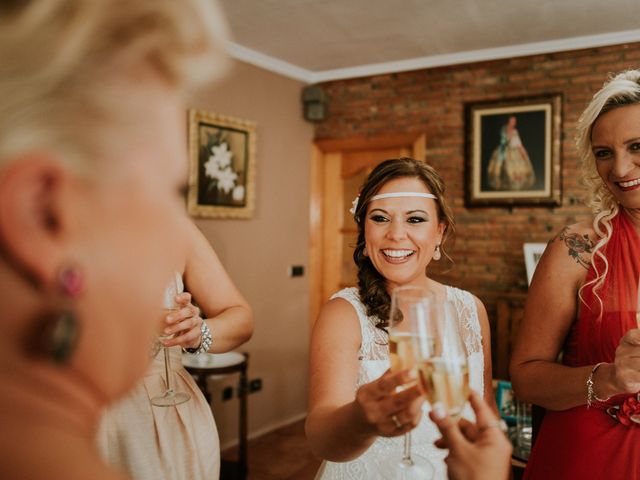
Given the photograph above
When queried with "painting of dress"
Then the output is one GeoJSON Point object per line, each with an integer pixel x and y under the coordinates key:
{"type": "Point", "coordinates": [510, 167]}
{"type": "Point", "coordinates": [513, 152]}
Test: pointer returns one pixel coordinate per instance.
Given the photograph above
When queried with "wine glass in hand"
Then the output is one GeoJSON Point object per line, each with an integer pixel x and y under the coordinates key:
{"type": "Point", "coordinates": [169, 397]}
{"type": "Point", "coordinates": [410, 342]}
{"type": "Point", "coordinates": [445, 375]}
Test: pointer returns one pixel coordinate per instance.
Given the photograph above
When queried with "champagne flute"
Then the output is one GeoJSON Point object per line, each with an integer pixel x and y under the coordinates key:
{"type": "Point", "coordinates": [445, 375]}
{"type": "Point", "coordinates": [410, 341]}
{"type": "Point", "coordinates": [169, 397]}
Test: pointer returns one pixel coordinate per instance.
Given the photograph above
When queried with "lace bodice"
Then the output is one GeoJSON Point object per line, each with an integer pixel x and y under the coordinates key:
{"type": "Point", "coordinates": [374, 361]}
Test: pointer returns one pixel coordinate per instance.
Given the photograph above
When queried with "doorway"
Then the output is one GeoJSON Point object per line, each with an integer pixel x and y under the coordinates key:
{"type": "Point", "coordinates": [338, 169]}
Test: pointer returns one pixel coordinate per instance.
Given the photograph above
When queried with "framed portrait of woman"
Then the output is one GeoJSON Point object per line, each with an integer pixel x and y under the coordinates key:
{"type": "Point", "coordinates": [513, 151]}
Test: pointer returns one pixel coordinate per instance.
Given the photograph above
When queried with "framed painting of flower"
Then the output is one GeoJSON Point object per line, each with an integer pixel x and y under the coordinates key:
{"type": "Point", "coordinates": [222, 166]}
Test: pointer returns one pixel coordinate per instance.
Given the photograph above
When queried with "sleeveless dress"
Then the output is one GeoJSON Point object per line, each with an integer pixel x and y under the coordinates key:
{"type": "Point", "coordinates": [374, 361]}
{"type": "Point", "coordinates": [598, 442]}
{"type": "Point", "coordinates": [170, 443]}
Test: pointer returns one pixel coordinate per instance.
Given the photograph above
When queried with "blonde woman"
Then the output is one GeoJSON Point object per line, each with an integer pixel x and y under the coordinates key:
{"type": "Point", "coordinates": [583, 301]}
{"type": "Point", "coordinates": [92, 163]}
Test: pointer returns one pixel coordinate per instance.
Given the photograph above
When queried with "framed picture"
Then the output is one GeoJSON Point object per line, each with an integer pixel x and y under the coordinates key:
{"type": "Point", "coordinates": [505, 402]}
{"type": "Point", "coordinates": [532, 254]}
{"type": "Point", "coordinates": [513, 152]}
{"type": "Point", "coordinates": [222, 156]}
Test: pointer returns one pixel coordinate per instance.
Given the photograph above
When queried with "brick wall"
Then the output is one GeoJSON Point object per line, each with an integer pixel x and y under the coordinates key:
{"type": "Point", "coordinates": [488, 248]}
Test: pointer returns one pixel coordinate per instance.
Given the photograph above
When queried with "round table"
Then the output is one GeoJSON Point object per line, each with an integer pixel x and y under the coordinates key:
{"type": "Point", "coordinates": [207, 364]}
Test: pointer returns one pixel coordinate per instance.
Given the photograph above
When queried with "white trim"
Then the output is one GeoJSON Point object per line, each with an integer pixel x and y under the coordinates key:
{"type": "Point", "coordinates": [264, 430]}
{"type": "Point", "coordinates": [289, 70]}
{"type": "Point", "coordinates": [272, 64]}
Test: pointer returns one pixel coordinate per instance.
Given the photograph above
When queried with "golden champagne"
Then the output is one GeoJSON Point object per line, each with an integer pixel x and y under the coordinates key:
{"type": "Point", "coordinates": [445, 381]}
{"type": "Point", "coordinates": [402, 351]}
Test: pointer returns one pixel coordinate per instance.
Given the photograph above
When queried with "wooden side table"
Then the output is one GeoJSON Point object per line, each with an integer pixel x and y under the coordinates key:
{"type": "Point", "coordinates": [206, 364]}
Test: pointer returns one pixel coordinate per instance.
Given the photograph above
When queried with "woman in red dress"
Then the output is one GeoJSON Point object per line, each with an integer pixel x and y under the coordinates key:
{"type": "Point", "coordinates": [583, 302]}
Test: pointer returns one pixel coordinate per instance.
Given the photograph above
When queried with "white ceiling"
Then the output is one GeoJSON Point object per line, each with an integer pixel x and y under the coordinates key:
{"type": "Point", "coordinates": [319, 40]}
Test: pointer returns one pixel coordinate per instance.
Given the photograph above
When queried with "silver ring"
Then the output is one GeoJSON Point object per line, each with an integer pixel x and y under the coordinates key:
{"type": "Point", "coordinates": [396, 422]}
{"type": "Point", "coordinates": [499, 424]}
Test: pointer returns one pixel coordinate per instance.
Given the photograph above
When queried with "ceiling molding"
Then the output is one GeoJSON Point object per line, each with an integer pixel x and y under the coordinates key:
{"type": "Point", "coordinates": [272, 64]}
{"type": "Point", "coordinates": [308, 76]}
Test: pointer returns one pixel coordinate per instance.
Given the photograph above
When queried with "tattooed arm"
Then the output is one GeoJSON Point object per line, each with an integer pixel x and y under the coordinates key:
{"type": "Point", "coordinates": [552, 305]}
{"type": "Point", "coordinates": [579, 244]}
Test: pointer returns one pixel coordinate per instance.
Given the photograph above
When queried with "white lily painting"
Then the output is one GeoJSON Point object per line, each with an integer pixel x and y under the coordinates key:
{"type": "Point", "coordinates": [222, 153]}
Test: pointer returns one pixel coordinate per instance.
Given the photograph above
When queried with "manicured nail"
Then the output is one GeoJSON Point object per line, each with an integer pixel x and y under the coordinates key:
{"type": "Point", "coordinates": [439, 411]}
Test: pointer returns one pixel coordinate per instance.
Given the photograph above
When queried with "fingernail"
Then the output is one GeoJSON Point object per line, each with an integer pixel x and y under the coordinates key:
{"type": "Point", "coordinates": [439, 411]}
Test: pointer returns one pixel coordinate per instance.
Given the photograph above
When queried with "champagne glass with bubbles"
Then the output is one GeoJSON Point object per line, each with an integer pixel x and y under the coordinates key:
{"type": "Point", "coordinates": [411, 338]}
{"type": "Point", "coordinates": [169, 397]}
{"type": "Point", "coordinates": [445, 374]}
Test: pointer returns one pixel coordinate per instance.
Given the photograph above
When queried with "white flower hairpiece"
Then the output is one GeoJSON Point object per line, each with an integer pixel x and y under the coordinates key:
{"type": "Point", "coordinates": [354, 205]}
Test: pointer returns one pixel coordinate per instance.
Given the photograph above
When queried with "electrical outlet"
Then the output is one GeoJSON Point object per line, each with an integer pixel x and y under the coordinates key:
{"type": "Point", "coordinates": [255, 385]}
{"type": "Point", "coordinates": [296, 271]}
{"type": "Point", "coordinates": [227, 393]}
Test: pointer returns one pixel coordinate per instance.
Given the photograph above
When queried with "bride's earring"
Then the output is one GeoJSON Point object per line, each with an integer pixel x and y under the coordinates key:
{"type": "Point", "coordinates": [437, 255]}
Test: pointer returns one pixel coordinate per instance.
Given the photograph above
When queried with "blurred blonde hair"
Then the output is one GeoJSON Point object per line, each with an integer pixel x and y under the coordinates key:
{"type": "Point", "coordinates": [68, 68]}
{"type": "Point", "coordinates": [621, 90]}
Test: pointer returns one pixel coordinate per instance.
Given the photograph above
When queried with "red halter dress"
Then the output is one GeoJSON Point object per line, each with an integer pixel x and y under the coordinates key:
{"type": "Point", "coordinates": [598, 442]}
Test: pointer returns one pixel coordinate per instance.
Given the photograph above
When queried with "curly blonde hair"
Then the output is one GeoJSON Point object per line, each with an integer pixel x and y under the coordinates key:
{"type": "Point", "coordinates": [620, 90]}
{"type": "Point", "coordinates": [67, 67]}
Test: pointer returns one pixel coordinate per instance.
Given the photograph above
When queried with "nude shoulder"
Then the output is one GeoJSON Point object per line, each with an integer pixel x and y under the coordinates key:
{"type": "Point", "coordinates": [574, 243]}
{"type": "Point", "coordinates": [335, 332]}
{"type": "Point", "coordinates": [339, 316]}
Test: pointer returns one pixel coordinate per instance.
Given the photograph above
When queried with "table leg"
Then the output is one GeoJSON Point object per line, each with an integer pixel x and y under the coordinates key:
{"type": "Point", "coordinates": [244, 390]}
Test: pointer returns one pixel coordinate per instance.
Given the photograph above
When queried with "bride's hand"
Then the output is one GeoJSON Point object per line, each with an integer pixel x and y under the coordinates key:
{"type": "Point", "coordinates": [185, 323]}
{"type": "Point", "coordinates": [388, 413]}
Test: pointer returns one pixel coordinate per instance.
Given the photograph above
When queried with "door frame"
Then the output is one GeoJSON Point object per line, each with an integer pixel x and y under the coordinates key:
{"type": "Point", "coordinates": [416, 142]}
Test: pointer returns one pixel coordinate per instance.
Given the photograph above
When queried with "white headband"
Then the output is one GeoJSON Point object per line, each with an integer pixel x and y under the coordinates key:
{"type": "Point", "coordinates": [354, 204]}
{"type": "Point", "coordinates": [402, 194]}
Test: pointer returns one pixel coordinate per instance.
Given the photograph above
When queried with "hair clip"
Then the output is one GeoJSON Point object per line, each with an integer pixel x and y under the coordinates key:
{"type": "Point", "coordinates": [354, 205]}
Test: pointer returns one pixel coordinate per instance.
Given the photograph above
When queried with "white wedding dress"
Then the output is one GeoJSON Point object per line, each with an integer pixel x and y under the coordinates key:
{"type": "Point", "coordinates": [374, 361]}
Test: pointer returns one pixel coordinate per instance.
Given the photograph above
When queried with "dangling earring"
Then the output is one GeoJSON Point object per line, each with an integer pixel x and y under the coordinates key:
{"type": "Point", "coordinates": [58, 329]}
{"type": "Point", "coordinates": [364, 252]}
{"type": "Point", "coordinates": [437, 255]}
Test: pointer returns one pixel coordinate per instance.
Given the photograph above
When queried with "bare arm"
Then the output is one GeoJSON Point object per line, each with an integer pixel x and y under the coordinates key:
{"type": "Point", "coordinates": [485, 331]}
{"type": "Point", "coordinates": [551, 307]}
{"type": "Point", "coordinates": [226, 312]}
{"type": "Point", "coordinates": [342, 423]}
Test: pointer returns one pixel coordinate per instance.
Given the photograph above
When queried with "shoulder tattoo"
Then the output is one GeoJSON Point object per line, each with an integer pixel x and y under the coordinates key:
{"type": "Point", "coordinates": [578, 245]}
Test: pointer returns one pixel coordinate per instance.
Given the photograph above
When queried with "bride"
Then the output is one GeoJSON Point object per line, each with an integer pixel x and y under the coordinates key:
{"type": "Point", "coordinates": [355, 420]}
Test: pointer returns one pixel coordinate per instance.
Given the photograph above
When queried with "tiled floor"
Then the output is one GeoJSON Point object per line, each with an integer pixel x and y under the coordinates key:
{"type": "Point", "coordinates": [279, 455]}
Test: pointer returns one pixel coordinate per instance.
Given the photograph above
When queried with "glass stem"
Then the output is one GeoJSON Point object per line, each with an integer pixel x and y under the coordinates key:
{"type": "Point", "coordinates": [406, 456]}
{"type": "Point", "coordinates": [166, 369]}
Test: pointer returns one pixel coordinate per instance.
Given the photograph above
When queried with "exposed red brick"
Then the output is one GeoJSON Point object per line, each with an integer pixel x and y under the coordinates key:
{"type": "Point", "coordinates": [488, 247]}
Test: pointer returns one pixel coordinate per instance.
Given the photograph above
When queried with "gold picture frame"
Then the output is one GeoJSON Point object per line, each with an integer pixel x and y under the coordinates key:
{"type": "Point", "coordinates": [513, 152]}
{"type": "Point", "coordinates": [222, 157]}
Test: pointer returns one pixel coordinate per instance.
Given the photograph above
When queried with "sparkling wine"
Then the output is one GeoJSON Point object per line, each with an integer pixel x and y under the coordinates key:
{"type": "Point", "coordinates": [402, 351]}
{"type": "Point", "coordinates": [445, 381]}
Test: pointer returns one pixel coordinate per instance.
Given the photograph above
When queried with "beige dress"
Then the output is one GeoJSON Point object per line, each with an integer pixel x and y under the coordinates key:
{"type": "Point", "coordinates": [155, 443]}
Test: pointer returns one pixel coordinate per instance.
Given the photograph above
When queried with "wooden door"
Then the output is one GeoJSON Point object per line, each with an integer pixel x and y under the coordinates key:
{"type": "Point", "coordinates": [339, 167]}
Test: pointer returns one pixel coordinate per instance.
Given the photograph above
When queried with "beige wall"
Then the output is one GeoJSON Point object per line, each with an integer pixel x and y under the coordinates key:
{"type": "Point", "coordinates": [258, 252]}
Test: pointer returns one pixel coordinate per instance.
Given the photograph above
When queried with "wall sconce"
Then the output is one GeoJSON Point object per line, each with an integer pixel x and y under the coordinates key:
{"type": "Point", "coordinates": [314, 102]}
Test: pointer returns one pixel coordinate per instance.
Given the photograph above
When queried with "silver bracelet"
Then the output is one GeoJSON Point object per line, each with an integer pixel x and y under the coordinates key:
{"type": "Point", "coordinates": [205, 341]}
{"type": "Point", "coordinates": [591, 394]}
